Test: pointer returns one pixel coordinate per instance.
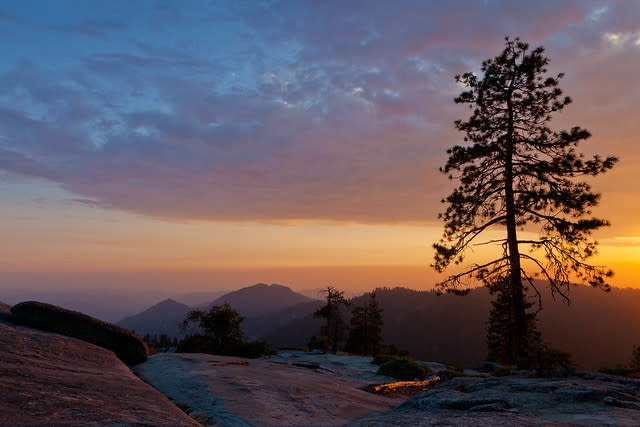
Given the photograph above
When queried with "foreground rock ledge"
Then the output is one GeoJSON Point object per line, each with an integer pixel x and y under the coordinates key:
{"type": "Point", "coordinates": [290, 389]}
{"type": "Point", "coordinates": [49, 379]}
{"type": "Point", "coordinates": [298, 389]}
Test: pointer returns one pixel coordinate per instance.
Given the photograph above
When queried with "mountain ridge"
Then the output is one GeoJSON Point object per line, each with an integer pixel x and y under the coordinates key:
{"type": "Point", "coordinates": [254, 301]}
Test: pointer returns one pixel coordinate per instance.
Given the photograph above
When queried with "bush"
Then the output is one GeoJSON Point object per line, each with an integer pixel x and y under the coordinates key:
{"type": "Point", "coordinates": [631, 370]}
{"type": "Point", "coordinates": [252, 349]}
{"type": "Point", "coordinates": [503, 371]}
{"type": "Point", "coordinates": [404, 369]}
{"type": "Point", "coordinates": [319, 343]}
{"type": "Point", "coordinates": [204, 344]}
{"type": "Point", "coordinates": [395, 351]}
{"type": "Point", "coordinates": [222, 334]}
{"type": "Point", "coordinates": [292, 348]}
{"type": "Point", "coordinates": [380, 359]}
{"type": "Point", "coordinates": [195, 344]}
{"type": "Point", "coordinates": [621, 371]}
{"type": "Point", "coordinates": [555, 362]}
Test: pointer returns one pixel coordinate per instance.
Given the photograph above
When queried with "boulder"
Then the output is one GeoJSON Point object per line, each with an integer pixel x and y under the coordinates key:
{"type": "Point", "coordinates": [127, 346]}
{"type": "Point", "coordinates": [5, 312]}
{"type": "Point", "coordinates": [5, 308]}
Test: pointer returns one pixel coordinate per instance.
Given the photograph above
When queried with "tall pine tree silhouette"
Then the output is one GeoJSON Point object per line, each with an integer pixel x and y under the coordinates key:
{"type": "Point", "coordinates": [514, 171]}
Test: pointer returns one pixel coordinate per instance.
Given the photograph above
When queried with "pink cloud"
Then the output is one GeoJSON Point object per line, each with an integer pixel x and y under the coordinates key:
{"type": "Point", "coordinates": [326, 111]}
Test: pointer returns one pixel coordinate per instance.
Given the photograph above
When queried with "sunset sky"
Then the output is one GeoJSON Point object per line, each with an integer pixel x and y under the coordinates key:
{"type": "Point", "coordinates": [281, 141]}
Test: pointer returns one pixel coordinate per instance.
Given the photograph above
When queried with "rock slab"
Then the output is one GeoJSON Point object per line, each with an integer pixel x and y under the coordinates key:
{"type": "Point", "coordinates": [284, 390]}
{"type": "Point", "coordinates": [49, 379]}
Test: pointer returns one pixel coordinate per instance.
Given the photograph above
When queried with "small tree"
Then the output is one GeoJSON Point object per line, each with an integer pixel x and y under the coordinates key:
{"type": "Point", "coordinates": [334, 325]}
{"type": "Point", "coordinates": [514, 171]}
{"type": "Point", "coordinates": [365, 334]}
{"type": "Point", "coordinates": [221, 325]}
{"type": "Point", "coordinates": [499, 330]}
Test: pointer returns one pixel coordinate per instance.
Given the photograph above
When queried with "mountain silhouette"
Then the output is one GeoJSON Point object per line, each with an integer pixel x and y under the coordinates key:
{"type": "Point", "coordinates": [598, 329]}
{"type": "Point", "coordinates": [265, 307]}
{"type": "Point", "coordinates": [261, 299]}
{"type": "Point", "coordinates": [162, 318]}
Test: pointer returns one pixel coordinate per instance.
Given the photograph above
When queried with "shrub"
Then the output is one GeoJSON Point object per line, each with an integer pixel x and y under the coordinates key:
{"type": "Point", "coordinates": [395, 351]}
{"type": "Point", "coordinates": [292, 348]}
{"type": "Point", "coordinates": [204, 344]}
{"type": "Point", "coordinates": [380, 359]}
{"type": "Point", "coordinates": [632, 370]}
{"type": "Point", "coordinates": [195, 344]}
{"type": "Point", "coordinates": [404, 369]}
{"type": "Point", "coordinates": [555, 362]}
{"type": "Point", "coordinates": [319, 343]}
{"type": "Point", "coordinates": [621, 371]}
{"type": "Point", "coordinates": [251, 349]}
{"type": "Point", "coordinates": [503, 371]}
{"type": "Point", "coordinates": [222, 334]}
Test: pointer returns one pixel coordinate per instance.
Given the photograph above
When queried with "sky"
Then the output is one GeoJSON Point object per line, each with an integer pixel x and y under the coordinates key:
{"type": "Point", "coordinates": [281, 141]}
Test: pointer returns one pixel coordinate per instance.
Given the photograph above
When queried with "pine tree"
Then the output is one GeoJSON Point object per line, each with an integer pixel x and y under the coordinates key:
{"type": "Point", "coordinates": [365, 334]}
{"type": "Point", "coordinates": [499, 331]}
{"type": "Point", "coordinates": [514, 171]}
{"type": "Point", "coordinates": [334, 325]}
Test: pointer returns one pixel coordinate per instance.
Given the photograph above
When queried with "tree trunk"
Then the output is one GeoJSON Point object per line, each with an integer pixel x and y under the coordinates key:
{"type": "Point", "coordinates": [519, 350]}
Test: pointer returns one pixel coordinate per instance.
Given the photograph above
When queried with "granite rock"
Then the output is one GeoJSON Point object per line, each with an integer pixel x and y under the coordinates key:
{"type": "Point", "coordinates": [50, 379]}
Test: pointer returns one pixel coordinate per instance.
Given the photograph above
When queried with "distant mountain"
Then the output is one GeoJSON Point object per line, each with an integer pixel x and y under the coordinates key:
{"type": "Point", "coordinates": [262, 326]}
{"type": "Point", "coordinates": [436, 328]}
{"type": "Point", "coordinates": [265, 307]}
{"type": "Point", "coordinates": [162, 318]}
{"type": "Point", "coordinates": [109, 305]}
{"type": "Point", "coordinates": [320, 293]}
{"type": "Point", "coordinates": [598, 328]}
{"type": "Point", "coordinates": [261, 299]}
{"type": "Point", "coordinates": [196, 298]}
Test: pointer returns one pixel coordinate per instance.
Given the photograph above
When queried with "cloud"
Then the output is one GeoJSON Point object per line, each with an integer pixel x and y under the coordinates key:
{"type": "Point", "coordinates": [318, 110]}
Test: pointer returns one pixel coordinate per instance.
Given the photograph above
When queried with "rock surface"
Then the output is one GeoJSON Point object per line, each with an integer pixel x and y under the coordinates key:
{"type": "Point", "coordinates": [297, 388]}
{"type": "Point", "coordinates": [127, 346]}
{"type": "Point", "coordinates": [49, 379]}
{"type": "Point", "coordinates": [581, 400]}
{"type": "Point", "coordinates": [271, 391]}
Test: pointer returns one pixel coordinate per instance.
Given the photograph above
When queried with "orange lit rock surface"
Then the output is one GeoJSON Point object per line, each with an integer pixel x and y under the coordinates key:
{"type": "Point", "coordinates": [299, 389]}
